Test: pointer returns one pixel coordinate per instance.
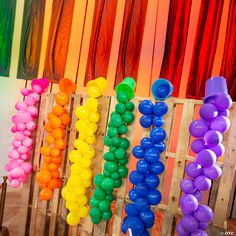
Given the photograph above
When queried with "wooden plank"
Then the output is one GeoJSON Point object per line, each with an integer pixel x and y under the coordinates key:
{"type": "Point", "coordinates": [182, 149]}
{"type": "Point", "coordinates": [227, 178]}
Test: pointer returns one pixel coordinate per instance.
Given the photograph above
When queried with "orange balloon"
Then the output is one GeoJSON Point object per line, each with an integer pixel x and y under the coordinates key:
{"type": "Point", "coordinates": [52, 167]}
{"type": "Point", "coordinates": [42, 185]}
{"type": "Point", "coordinates": [65, 119]}
{"type": "Point", "coordinates": [60, 143]}
{"type": "Point", "coordinates": [58, 133]}
{"type": "Point", "coordinates": [43, 176]}
{"type": "Point", "coordinates": [45, 194]}
{"type": "Point", "coordinates": [51, 115]}
{"type": "Point", "coordinates": [44, 166]}
{"type": "Point", "coordinates": [62, 98]}
{"type": "Point", "coordinates": [48, 127]}
{"type": "Point", "coordinates": [53, 183]}
{"type": "Point", "coordinates": [59, 183]}
{"type": "Point", "coordinates": [55, 174]}
{"type": "Point", "coordinates": [49, 139]}
{"type": "Point", "coordinates": [55, 122]}
{"type": "Point", "coordinates": [45, 150]}
{"type": "Point", "coordinates": [57, 160]}
{"type": "Point", "coordinates": [55, 152]}
{"type": "Point", "coordinates": [47, 159]}
{"type": "Point", "coordinates": [58, 110]}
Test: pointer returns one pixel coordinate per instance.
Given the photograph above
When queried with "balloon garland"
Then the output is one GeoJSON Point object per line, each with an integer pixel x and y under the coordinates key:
{"type": "Point", "coordinates": [115, 166]}
{"type": "Point", "coordinates": [24, 125]}
{"type": "Point", "coordinates": [48, 177]}
{"type": "Point", "coordinates": [208, 147]}
{"type": "Point", "coordinates": [139, 215]}
{"type": "Point", "coordinates": [74, 191]}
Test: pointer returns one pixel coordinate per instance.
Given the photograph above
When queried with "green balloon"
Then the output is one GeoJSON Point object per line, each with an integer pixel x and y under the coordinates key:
{"type": "Point", "coordinates": [106, 173]}
{"type": "Point", "coordinates": [96, 220]}
{"type": "Point", "coordinates": [123, 161]}
{"type": "Point", "coordinates": [95, 212]}
{"type": "Point", "coordinates": [110, 166]}
{"type": "Point", "coordinates": [115, 175]}
{"type": "Point", "coordinates": [110, 197]}
{"type": "Point", "coordinates": [129, 106]}
{"type": "Point", "coordinates": [115, 141]}
{"type": "Point", "coordinates": [121, 97]}
{"type": "Point", "coordinates": [123, 171]}
{"type": "Point", "coordinates": [107, 141]}
{"type": "Point", "coordinates": [108, 184]}
{"type": "Point", "coordinates": [98, 180]}
{"type": "Point", "coordinates": [94, 202]}
{"type": "Point", "coordinates": [128, 117]}
{"type": "Point", "coordinates": [109, 156]}
{"type": "Point", "coordinates": [105, 205]}
{"type": "Point", "coordinates": [112, 132]}
{"type": "Point", "coordinates": [124, 143]}
{"type": "Point", "coordinates": [118, 183]}
{"type": "Point", "coordinates": [107, 215]}
{"type": "Point", "coordinates": [116, 121]}
{"type": "Point", "coordinates": [109, 192]}
{"type": "Point", "coordinates": [114, 113]}
{"type": "Point", "coordinates": [112, 149]}
{"type": "Point", "coordinates": [120, 153]}
{"type": "Point", "coordinates": [122, 129]}
{"type": "Point", "coordinates": [99, 194]}
{"type": "Point", "coordinates": [120, 108]}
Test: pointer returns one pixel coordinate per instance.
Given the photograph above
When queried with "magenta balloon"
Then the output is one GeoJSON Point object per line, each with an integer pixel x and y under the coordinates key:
{"type": "Point", "coordinates": [206, 158]}
{"type": "Point", "coordinates": [27, 133]}
{"type": "Point", "coordinates": [19, 136]}
{"type": "Point", "coordinates": [27, 142]}
{"type": "Point", "coordinates": [223, 102]}
{"type": "Point", "coordinates": [29, 100]}
{"type": "Point", "coordinates": [22, 150]}
{"type": "Point", "coordinates": [23, 116]}
{"type": "Point", "coordinates": [208, 111]}
{"type": "Point", "coordinates": [219, 149]}
{"type": "Point", "coordinates": [21, 106]}
{"type": "Point", "coordinates": [15, 183]}
{"type": "Point", "coordinates": [13, 129]}
{"type": "Point", "coordinates": [203, 225]}
{"type": "Point", "coordinates": [31, 126]}
{"type": "Point", "coordinates": [13, 164]}
{"type": "Point", "coordinates": [204, 214]}
{"type": "Point", "coordinates": [17, 172]}
{"type": "Point", "coordinates": [23, 178]}
{"type": "Point", "coordinates": [189, 223]}
{"type": "Point", "coordinates": [198, 195]}
{"type": "Point", "coordinates": [198, 145]}
{"type": "Point", "coordinates": [198, 128]}
{"type": "Point", "coordinates": [220, 123]}
{"type": "Point", "coordinates": [199, 232]}
{"type": "Point", "coordinates": [27, 167]}
{"type": "Point", "coordinates": [33, 111]}
{"type": "Point", "coordinates": [202, 183]}
{"type": "Point", "coordinates": [20, 126]}
{"type": "Point", "coordinates": [212, 138]}
{"type": "Point", "coordinates": [193, 169]}
{"type": "Point", "coordinates": [25, 91]}
{"type": "Point", "coordinates": [188, 203]}
{"type": "Point", "coordinates": [181, 231]}
{"type": "Point", "coordinates": [13, 154]}
{"type": "Point", "coordinates": [24, 157]}
{"type": "Point", "coordinates": [187, 185]}
{"type": "Point", "coordinates": [212, 172]}
{"type": "Point", "coordinates": [16, 143]}
{"type": "Point", "coordinates": [14, 119]}
{"type": "Point", "coordinates": [224, 113]}
{"type": "Point", "coordinates": [35, 96]}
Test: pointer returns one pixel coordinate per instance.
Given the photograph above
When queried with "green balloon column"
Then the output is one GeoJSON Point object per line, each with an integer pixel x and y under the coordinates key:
{"type": "Point", "coordinates": [116, 157]}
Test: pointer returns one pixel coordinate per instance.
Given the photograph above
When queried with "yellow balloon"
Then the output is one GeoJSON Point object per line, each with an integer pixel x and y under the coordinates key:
{"type": "Point", "coordinates": [94, 117]}
{"type": "Point", "coordinates": [91, 104]}
{"type": "Point", "coordinates": [83, 211]}
{"type": "Point", "coordinates": [81, 125]}
{"type": "Point", "coordinates": [86, 183]}
{"type": "Point", "coordinates": [71, 197]}
{"type": "Point", "coordinates": [81, 145]}
{"type": "Point", "coordinates": [75, 156]}
{"type": "Point", "coordinates": [82, 135]}
{"type": "Point", "coordinates": [90, 139]}
{"type": "Point", "coordinates": [91, 152]}
{"type": "Point", "coordinates": [94, 92]}
{"type": "Point", "coordinates": [74, 208]}
{"type": "Point", "coordinates": [76, 168]}
{"type": "Point", "coordinates": [86, 174]}
{"type": "Point", "coordinates": [73, 181]}
{"type": "Point", "coordinates": [72, 219]}
{"type": "Point", "coordinates": [68, 205]}
{"type": "Point", "coordinates": [64, 192]}
{"type": "Point", "coordinates": [80, 190]}
{"type": "Point", "coordinates": [94, 127]}
{"type": "Point", "coordinates": [85, 162]}
{"type": "Point", "coordinates": [82, 200]}
{"type": "Point", "coordinates": [82, 112]}
{"type": "Point", "coordinates": [90, 131]}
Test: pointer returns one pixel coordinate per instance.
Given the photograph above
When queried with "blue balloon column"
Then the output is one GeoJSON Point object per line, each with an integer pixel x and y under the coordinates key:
{"type": "Point", "coordinates": [145, 178]}
{"type": "Point", "coordinates": [208, 147]}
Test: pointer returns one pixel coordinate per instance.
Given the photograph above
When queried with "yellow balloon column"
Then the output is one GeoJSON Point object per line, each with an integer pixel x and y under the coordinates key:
{"type": "Point", "coordinates": [74, 191]}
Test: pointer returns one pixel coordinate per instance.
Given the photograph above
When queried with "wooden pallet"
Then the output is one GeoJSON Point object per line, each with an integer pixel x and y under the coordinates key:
{"type": "Point", "coordinates": [48, 218]}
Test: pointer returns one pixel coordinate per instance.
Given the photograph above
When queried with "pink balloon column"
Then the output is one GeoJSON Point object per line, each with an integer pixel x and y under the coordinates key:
{"type": "Point", "coordinates": [24, 125]}
{"type": "Point", "coordinates": [208, 147]}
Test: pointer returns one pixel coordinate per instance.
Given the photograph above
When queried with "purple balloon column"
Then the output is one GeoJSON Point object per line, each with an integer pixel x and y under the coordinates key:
{"type": "Point", "coordinates": [24, 124]}
{"type": "Point", "coordinates": [208, 147]}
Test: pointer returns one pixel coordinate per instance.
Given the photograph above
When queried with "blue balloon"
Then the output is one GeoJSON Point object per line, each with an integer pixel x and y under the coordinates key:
{"type": "Point", "coordinates": [147, 216]}
{"type": "Point", "coordinates": [154, 197]}
{"type": "Point", "coordinates": [160, 146]}
{"type": "Point", "coordinates": [131, 210]}
{"type": "Point", "coordinates": [152, 181]}
{"type": "Point", "coordinates": [125, 225]}
{"type": "Point", "coordinates": [157, 168]}
{"type": "Point", "coordinates": [135, 177]}
{"type": "Point", "coordinates": [133, 195]}
{"type": "Point", "coordinates": [142, 204]}
{"type": "Point", "coordinates": [141, 189]}
{"type": "Point", "coordinates": [158, 134]}
{"type": "Point", "coordinates": [152, 155]}
{"type": "Point", "coordinates": [138, 152]}
{"type": "Point", "coordinates": [142, 166]}
{"type": "Point", "coordinates": [136, 225]}
{"type": "Point", "coordinates": [145, 107]}
{"type": "Point", "coordinates": [158, 121]}
{"type": "Point", "coordinates": [149, 224]}
{"type": "Point", "coordinates": [160, 108]}
{"type": "Point", "coordinates": [146, 143]}
{"type": "Point", "coordinates": [145, 233]}
{"type": "Point", "coordinates": [146, 121]}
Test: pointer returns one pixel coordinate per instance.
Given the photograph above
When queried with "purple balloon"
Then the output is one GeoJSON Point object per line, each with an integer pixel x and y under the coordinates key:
{"type": "Point", "coordinates": [202, 183]}
{"type": "Point", "coordinates": [198, 145]}
{"type": "Point", "coordinates": [188, 203]}
{"type": "Point", "coordinates": [219, 149]}
{"type": "Point", "coordinates": [208, 111]}
{"type": "Point", "coordinates": [206, 158]}
{"type": "Point", "coordinates": [189, 223]}
{"type": "Point", "coordinates": [204, 214]}
{"type": "Point", "coordinates": [193, 169]}
{"type": "Point", "coordinates": [199, 232]}
{"type": "Point", "coordinates": [198, 195]}
{"type": "Point", "coordinates": [223, 102]}
{"type": "Point", "coordinates": [181, 231]}
{"type": "Point", "coordinates": [198, 128]}
{"type": "Point", "coordinates": [187, 185]}
{"type": "Point", "coordinates": [203, 225]}
{"type": "Point", "coordinates": [212, 138]}
{"type": "Point", "coordinates": [224, 113]}
{"type": "Point", "coordinates": [212, 172]}
{"type": "Point", "coordinates": [220, 123]}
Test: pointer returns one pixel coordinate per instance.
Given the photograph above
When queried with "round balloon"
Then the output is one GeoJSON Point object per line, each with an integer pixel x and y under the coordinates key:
{"type": "Point", "coordinates": [187, 185]}
{"type": "Point", "coordinates": [208, 111]}
{"type": "Point", "coordinates": [189, 223]}
{"type": "Point", "coordinates": [193, 169]}
{"type": "Point", "coordinates": [154, 197]}
{"type": "Point", "coordinates": [181, 231]}
{"type": "Point", "coordinates": [147, 216]}
{"type": "Point", "coordinates": [158, 121]}
{"type": "Point", "coordinates": [158, 134]}
{"type": "Point", "coordinates": [160, 146]}
{"type": "Point", "coordinates": [152, 155]}
{"type": "Point", "coordinates": [188, 203]}
{"type": "Point", "coordinates": [142, 166]}
{"type": "Point", "coordinates": [206, 158]}
{"type": "Point", "coordinates": [157, 168]}
{"type": "Point", "coordinates": [141, 204]}
{"type": "Point", "coordinates": [203, 214]}
{"type": "Point", "coordinates": [138, 152]}
{"type": "Point", "coordinates": [152, 181]}
{"type": "Point", "coordinates": [131, 210]}
{"type": "Point", "coordinates": [198, 128]}
{"type": "Point", "coordinates": [146, 143]}
{"type": "Point", "coordinates": [202, 183]}
{"type": "Point", "coordinates": [199, 232]}
{"type": "Point", "coordinates": [160, 109]}
{"type": "Point", "coordinates": [213, 138]}
{"type": "Point", "coordinates": [146, 121]}
{"type": "Point", "coordinates": [219, 149]}
{"type": "Point", "coordinates": [220, 123]}
{"type": "Point", "coordinates": [135, 177]}
{"type": "Point", "coordinates": [146, 107]}
{"type": "Point", "coordinates": [133, 195]}
{"type": "Point", "coordinates": [212, 172]}
{"type": "Point", "coordinates": [198, 145]}
{"type": "Point", "coordinates": [198, 195]}
{"type": "Point", "coordinates": [141, 189]}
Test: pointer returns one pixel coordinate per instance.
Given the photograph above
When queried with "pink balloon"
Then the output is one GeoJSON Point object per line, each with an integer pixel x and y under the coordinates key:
{"type": "Point", "coordinates": [23, 116]}
{"type": "Point", "coordinates": [14, 119]}
{"type": "Point", "coordinates": [27, 133]}
{"type": "Point", "coordinates": [22, 150]}
{"type": "Point", "coordinates": [31, 126]}
{"type": "Point", "coordinates": [23, 178]}
{"type": "Point", "coordinates": [15, 183]}
{"type": "Point", "coordinates": [9, 177]}
{"type": "Point", "coordinates": [29, 100]}
{"type": "Point", "coordinates": [13, 154]}
{"type": "Point", "coordinates": [20, 126]}
{"type": "Point", "coordinates": [25, 91]}
{"type": "Point", "coordinates": [16, 143]}
{"type": "Point", "coordinates": [13, 129]}
{"type": "Point", "coordinates": [17, 172]}
{"type": "Point", "coordinates": [33, 111]}
{"type": "Point", "coordinates": [24, 157]}
{"type": "Point", "coordinates": [27, 167]}
{"type": "Point", "coordinates": [37, 88]}
{"type": "Point", "coordinates": [27, 142]}
{"type": "Point", "coordinates": [19, 136]}
{"type": "Point", "coordinates": [13, 164]}
{"type": "Point", "coordinates": [35, 96]}
{"type": "Point", "coordinates": [21, 106]}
